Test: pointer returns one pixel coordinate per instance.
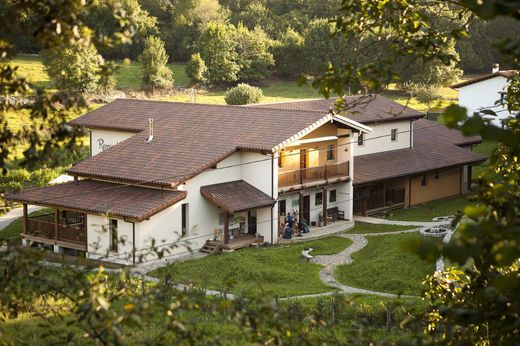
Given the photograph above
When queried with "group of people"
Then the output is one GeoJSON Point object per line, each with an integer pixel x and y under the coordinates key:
{"type": "Point", "coordinates": [293, 226]}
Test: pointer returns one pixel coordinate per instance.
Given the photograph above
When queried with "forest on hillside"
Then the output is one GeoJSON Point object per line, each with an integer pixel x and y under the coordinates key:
{"type": "Point", "coordinates": [250, 40]}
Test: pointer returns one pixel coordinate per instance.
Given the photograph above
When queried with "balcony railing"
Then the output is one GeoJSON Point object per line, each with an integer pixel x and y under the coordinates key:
{"type": "Point", "coordinates": [311, 174]}
{"type": "Point", "coordinates": [69, 228]}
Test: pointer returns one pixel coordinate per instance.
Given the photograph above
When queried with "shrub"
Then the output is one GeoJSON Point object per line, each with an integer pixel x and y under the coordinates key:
{"type": "Point", "coordinates": [196, 69]}
{"type": "Point", "coordinates": [243, 94]}
{"type": "Point", "coordinates": [155, 74]}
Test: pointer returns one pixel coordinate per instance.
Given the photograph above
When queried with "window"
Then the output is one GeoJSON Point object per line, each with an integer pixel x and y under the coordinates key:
{"type": "Point", "coordinates": [112, 229]}
{"type": "Point", "coordinates": [330, 152]}
{"type": "Point", "coordinates": [318, 198]}
{"type": "Point", "coordinates": [423, 180]}
{"type": "Point", "coordinates": [184, 218]}
{"type": "Point", "coordinates": [503, 97]}
{"type": "Point", "coordinates": [222, 216]}
{"type": "Point", "coordinates": [361, 139]}
{"type": "Point", "coordinates": [280, 159]}
{"type": "Point", "coordinates": [282, 207]}
{"type": "Point", "coordinates": [393, 135]}
{"type": "Point", "coordinates": [436, 175]}
{"type": "Point", "coordinates": [332, 196]}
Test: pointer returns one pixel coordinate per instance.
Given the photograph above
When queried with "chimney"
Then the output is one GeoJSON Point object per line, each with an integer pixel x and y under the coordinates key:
{"type": "Point", "coordinates": [150, 130]}
{"type": "Point", "coordinates": [495, 68]}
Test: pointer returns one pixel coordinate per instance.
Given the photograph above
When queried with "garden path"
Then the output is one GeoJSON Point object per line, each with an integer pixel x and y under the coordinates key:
{"type": "Point", "coordinates": [330, 262]}
{"type": "Point", "coordinates": [13, 214]}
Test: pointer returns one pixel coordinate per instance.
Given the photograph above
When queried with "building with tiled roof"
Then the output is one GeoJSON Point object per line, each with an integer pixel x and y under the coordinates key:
{"type": "Point", "coordinates": [223, 177]}
{"type": "Point", "coordinates": [486, 93]}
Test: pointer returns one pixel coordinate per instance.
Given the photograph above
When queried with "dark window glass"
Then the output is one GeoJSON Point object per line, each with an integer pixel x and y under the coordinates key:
{"type": "Point", "coordinates": [330, 152]}
{"type": "Point", "coordinates": [393, 134]}
{"type": "Point", "coordinates": [282, 207]}
{"type": "Point", "coordinates": [113, 234]}
{"type": "Point", "coordinates": [361, 139]}
{"type": "Point", "coordinates": [332, 196]}
{"type": "Point", "coordinates": [318, 198]}
{"type": "Point", "coordinates": [423, 180]}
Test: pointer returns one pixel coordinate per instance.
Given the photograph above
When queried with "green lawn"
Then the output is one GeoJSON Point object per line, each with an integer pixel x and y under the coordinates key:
{"type": "Point", "coordinates": [12, 232]}
{"type": "Point", "coordinates": [127, 75]}
{"type": "Point", "coordinates": [365, 228]}
{"type": "Point", "coordinates": [31, 67]}
{"type": "Point", "coordinates": [427, 211]}
{"type": "Point", "coordinates": [484, 148]}
{"type": "Point", "coordinates": [278, 270]}
{"type": "Point", "coordinates": [384, 266]}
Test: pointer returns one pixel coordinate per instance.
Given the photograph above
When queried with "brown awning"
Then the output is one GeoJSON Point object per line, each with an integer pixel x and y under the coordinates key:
{"type": "Point", "coordinates": [130, 202]}
{"type": "Point", "coordinates": [236, 196]}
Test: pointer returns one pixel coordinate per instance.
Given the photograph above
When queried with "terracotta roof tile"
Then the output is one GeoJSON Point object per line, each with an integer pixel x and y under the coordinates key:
{"type": "Point", "coordinates": [364, 109]}
{"type": "Point", "coordinates": [236, 196]}
{"type": "Point", "coordinates": [131, 202]}
{"type": "Point", "coordinates": [188, 138]}
{"type": "Point", "coordinates": [505, 74]}
{"type": "Point", "coordinates": [435, 147]}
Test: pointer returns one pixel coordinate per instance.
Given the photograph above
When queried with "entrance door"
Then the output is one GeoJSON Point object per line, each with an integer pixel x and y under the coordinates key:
{"type": "Point", "coordinates": [251, 222]}
{"type": "Point", "coordinates": [307, 209]}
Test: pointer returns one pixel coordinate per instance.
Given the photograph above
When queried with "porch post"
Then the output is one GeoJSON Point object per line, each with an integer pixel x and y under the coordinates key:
{"type": "Point", "coordinates": [25, 220]}
{"type": "Point", "coordinates": [56, 215]}
{"type": "Point", "coordinates": [325, 199]}
{"type": "Point", "coordinates": [226, 228]}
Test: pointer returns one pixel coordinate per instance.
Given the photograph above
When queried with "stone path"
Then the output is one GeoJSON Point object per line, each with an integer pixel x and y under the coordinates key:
{"type": "Point", "coordinates": [13, 214]}
{"type": "Point", "coordinates": [330, 262]}
{"type": "Point", "coordinates": [375, 220]}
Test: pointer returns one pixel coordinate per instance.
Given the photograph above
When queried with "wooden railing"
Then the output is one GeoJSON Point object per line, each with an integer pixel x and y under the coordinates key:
{"type": "Point", "coordinates": [71, 227]}
{"type": "Point", "coordinates": [310, 174]}
{"type": "Point", "coordinates": [379, 201]}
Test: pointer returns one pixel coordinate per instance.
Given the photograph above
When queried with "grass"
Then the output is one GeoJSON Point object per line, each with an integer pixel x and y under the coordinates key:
{"type": "Point", "coordinates": [484, 148]}
{"type": "Point", "coordinates": [12, 232]}
{"type": "Point", "coordinates": [32, 68]}
{"type": "Point", "coordinates": [384, 266]}
{"type": "Point", "coordinates": [278, 270]}
{"type": "Point", "coordinates": [127, 75]}
{"type": "Point", "coordinates": [366, 228]}
{"type": "Point", "coordinates": [427, 211]}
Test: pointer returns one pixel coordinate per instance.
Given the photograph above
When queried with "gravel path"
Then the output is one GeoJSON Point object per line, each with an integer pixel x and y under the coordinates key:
{"type": "Point", "coordinates": [330, 262]}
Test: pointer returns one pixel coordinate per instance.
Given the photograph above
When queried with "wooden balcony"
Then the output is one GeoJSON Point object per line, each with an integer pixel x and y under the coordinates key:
{"type": "Point", "coordinates": [312, 174]}
{"type": "Point", "coordinates": [63, 228]}
{"type": "Point", "coordinates": [379, 201]}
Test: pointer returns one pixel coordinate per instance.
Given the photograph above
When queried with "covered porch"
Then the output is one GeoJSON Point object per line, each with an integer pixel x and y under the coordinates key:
{"type": "Point", "coordinates": [240, 203]}
{"type": "Point", "coordinates": [379, 196]}
{"type": "Point", "coordinates": [62, 228]}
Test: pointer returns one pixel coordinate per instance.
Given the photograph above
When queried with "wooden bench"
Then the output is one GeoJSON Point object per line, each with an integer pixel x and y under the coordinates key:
{"type": "Point", "coordinates": [335, 214]}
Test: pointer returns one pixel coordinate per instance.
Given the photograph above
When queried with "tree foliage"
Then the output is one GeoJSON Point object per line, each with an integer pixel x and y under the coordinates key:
{"type": "Point", "coordinates": [156, 75]}
{"type": "Point", "coordinates": [196, 69]}
{"type": "Point", "coordinates": [74, 69]}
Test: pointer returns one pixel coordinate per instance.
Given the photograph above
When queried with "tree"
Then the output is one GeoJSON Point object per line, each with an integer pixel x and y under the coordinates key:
{"type": "Point", "coordinates": [288, 54]}
{"type": "Point", "coordinates": [101, 19]}
{"type": "Point", "coordinates": [75, 69]}
{"type": "Point", "coordinates": [217, 46]}
{"type": "Point", "coordinates": [196, 69]}
{"type": "Point", "coordinates": [156, 74]}
{"type": "Point", "coordinates": [253, 56]}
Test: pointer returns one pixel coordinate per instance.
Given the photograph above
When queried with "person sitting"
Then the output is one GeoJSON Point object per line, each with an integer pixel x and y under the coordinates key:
{"type": "Point", "coordinates": [304, 228]}
{"type": "Point", "coordinates": [287, 233]}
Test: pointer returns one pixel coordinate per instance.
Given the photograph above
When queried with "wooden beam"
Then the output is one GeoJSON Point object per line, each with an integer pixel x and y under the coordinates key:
{"type": "Point", "coordinates": [226, 228]}
{"type": "Point", "coordinates": [56, 215]}
{"type": "Point", "coordinates": [300, 207]}
{"type": "Point", "coordinates": [325, 200]}
{"type": "Point", "coordinates": [25, 220]}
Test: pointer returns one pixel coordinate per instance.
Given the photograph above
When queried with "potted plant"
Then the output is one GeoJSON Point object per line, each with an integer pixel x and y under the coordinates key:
{"type": "Point", "coordinates": [320, 219]}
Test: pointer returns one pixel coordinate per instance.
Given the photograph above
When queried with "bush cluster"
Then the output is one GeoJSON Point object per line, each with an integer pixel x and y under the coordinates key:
{"type": "Point", "coordinates": [243, 94]}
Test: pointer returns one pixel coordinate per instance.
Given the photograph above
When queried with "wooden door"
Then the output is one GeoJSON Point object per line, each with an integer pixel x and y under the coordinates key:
{"type": "Point", "coordinates": [307, 209]}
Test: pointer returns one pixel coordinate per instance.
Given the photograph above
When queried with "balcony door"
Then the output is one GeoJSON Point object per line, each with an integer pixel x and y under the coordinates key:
{"type": "Point", "coordinates": [307, 209]}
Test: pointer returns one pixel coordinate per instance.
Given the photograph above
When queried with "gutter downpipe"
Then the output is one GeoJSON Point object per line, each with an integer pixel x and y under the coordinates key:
{"type": "Point", "coordinates": [133, 244]}
{"type": "Point", "coordinates": [272, 196]}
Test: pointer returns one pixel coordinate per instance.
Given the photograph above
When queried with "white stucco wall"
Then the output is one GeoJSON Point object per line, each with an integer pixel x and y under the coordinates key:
{"type": "Point", "coordinates": [380, 140]}
{"type": "Point", "coordinates": [342, 200]}
{"type": "Point", "coordinates": [484, 95]}
{"type": "Point", "coordinates": [104, 139]}
{"type": "Point", "coordinates": [98, 239]}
